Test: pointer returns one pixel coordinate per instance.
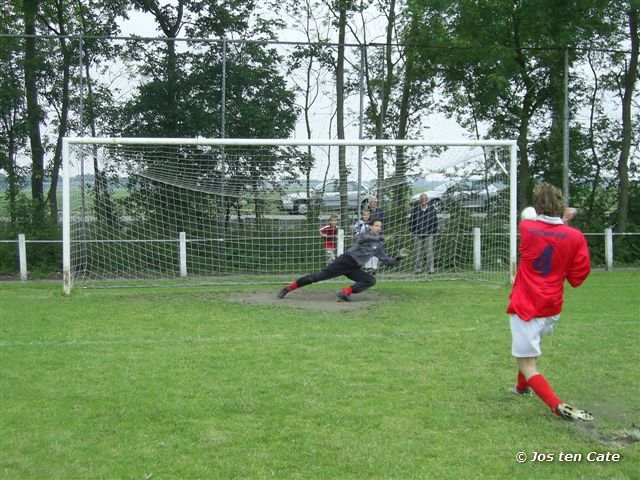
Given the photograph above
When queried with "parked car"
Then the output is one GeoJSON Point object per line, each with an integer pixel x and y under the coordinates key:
{"type": "Point", "coordinates": [329, 199]}
{"type": "Point", "coordinates": [471, 193]}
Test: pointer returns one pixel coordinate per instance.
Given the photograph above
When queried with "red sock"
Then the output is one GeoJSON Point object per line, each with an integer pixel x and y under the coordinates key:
{"type": "Point", "coordinates": [522, 382]}
{"type": "Point", "coordinates": [544, 392]}
{"type": "Point", "coordinates": [347, 291]}
{"type": "Point", "coordinates": [292, 286]}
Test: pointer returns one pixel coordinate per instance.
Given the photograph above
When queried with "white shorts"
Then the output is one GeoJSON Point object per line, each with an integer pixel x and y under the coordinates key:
{"type": "Point", "coordinates": [526, 336]}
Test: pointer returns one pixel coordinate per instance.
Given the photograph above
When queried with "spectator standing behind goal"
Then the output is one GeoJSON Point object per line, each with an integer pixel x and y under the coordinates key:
{"type": "Point", "coordinates": [374, 210]}
{"type": "Point", "coordinates": [424, 225]}
{"type": "Point", "coordinates": [362, 224]}
{"type": "Point", "coordinates": [550, 251]}
{"type": "Point", "coordinates": [350, 264]}
{"type": "Point", "coordinates": [330, 235]}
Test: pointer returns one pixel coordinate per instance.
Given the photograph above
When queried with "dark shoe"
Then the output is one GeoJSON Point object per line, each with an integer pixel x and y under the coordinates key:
{"type": "Point", "coordinates": [283, 292]}
{"type": "Point", "coordinates": [568, 412]}
{"type": "Point", "coordinates": [343, 297]}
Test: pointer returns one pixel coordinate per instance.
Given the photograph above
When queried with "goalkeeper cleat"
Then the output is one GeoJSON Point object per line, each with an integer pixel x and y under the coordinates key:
{"type": "Point", "coordinates": [283, 292]}
{"type": "Point", "coordinates": [568, 412]}
{"type": "Point", "coordinates": [343, 297]}
{"type": "Point", "coordinates": [527, 392]}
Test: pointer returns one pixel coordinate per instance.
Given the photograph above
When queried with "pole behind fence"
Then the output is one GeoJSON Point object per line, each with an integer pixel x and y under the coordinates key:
{"type": "Point", "coordinates": [183, 255]}
{"type": "Point", "coordinates": [608, 248]}
{"type": "Point", "coordinates": [477, 250]}
{"type": "Point", "coordinates": [22, 255]}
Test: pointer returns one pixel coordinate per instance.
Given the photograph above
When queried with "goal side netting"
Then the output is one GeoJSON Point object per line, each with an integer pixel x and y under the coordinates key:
{"type": "Point", "coordinates": [154, 211]}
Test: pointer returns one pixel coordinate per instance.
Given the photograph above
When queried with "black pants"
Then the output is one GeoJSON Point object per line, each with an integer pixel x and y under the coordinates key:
{"type": "Point", "coordinates": [343, 265]}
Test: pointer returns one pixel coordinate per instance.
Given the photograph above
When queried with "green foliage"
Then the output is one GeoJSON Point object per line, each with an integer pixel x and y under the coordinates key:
{"type": "Point", "coordinates": [42, 257]}
{"type": "Point", "coordinates": [504, 65]}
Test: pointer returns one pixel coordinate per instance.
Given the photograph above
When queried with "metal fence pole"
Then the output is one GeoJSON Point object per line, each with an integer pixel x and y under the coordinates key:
{"type": "Point", "coordinates": [565, 132]}
{"type": "Point", "coordinates": [360, 130]}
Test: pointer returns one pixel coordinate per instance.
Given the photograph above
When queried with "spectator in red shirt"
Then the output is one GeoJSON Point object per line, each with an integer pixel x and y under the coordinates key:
{"type": "Point", "coordinates": [330, 235]}
{"type": "Point", "coordinates": [550, 252]}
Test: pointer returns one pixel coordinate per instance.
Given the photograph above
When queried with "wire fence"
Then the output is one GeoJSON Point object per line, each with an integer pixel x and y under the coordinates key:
{"type": "Point", "coordinates": [609, 250]}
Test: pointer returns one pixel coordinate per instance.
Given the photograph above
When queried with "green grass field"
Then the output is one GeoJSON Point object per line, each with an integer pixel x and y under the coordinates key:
{"type": "Point", "coordinates": [408, 382]}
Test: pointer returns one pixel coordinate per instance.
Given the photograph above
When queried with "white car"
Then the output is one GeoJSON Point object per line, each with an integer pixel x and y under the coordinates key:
{"type": "Point", "coordinates": [329, 199]}
{"type": "Point", "coordinates": [470, 193]}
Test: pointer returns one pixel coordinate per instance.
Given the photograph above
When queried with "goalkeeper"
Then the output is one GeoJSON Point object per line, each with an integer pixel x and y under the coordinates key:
{"type": "Point", "coordinates": [349, 264]}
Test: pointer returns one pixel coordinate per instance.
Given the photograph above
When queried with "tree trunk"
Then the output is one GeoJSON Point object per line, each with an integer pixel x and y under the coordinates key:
{"type": "Point", "coordinates": [12, 174]}
{"type": "Point", "coordinates": [595, 160]}
{"type": "Point", "coordinates": [523, 165]}
{"type": "Point", "coordinates": [34, 113]}
{"type": "Point", "coordinates": [556, 136]}
{"type": "Point", "coordinates": [629, 84]}
{"type": "Point", "coordinates": [400, 189]}
{"type": "Point", "coordinates": [170, 28]}
{"type": "Point", "coordinates": [64, 113]}
{"type": "Point", "coordinates": [342, 161]}
{"type": "Point", "coordinates": [384, 101]}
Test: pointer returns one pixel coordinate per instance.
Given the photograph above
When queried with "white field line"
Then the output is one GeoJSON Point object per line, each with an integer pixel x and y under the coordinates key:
{"type": "Point", "coordinates": [275, 337]}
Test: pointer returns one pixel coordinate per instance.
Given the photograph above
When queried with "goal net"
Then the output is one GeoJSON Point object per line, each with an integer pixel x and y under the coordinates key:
{"type": "Point", "coordinates": [213, 210]}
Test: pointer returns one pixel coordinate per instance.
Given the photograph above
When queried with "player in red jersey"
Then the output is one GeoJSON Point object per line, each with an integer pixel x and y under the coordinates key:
{"type": "Point", "coordinates": [550, 252]}
{"type": "Point", "coordinates": [330, 235]}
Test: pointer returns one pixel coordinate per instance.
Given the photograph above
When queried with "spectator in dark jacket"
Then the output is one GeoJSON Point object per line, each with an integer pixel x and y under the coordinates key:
{"type": "Point", "coordinates": [424, 225]}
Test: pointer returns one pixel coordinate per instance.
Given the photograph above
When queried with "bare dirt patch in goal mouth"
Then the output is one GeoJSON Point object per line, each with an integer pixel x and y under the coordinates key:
{"type": "Point", "coordinates": [318, 300]}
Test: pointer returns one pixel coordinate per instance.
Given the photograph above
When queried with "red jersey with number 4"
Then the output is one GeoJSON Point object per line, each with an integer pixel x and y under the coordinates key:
{"type": "Point", "coordinates": [549, 252]}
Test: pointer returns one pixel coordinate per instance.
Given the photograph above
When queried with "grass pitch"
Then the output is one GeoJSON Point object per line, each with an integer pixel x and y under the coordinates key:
{"type": "Point", "coordinates": [409, 381]}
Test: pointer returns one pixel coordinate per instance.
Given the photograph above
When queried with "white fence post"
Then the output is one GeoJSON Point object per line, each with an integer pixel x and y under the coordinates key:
{"type": "Point", "coordinates": [477, 250]}
{"type": "Point", "coordinates": [22, 255]}
{"type": "Point", "coordinates": [340, 241]}
{"type": "Point", "coordinates": [183, 255]}
{"type": "Point", "coordinates": [608, 248]}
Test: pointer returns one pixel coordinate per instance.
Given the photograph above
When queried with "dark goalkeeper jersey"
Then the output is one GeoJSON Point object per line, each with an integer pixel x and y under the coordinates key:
{"type": "Point", "coordinates": [549, 252]}
{"type": "Point", "coordinates": [368, 246]}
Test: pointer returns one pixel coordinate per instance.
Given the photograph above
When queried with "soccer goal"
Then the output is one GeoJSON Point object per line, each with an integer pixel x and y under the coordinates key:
{"type": "Point", "coordinates": [180, 210]}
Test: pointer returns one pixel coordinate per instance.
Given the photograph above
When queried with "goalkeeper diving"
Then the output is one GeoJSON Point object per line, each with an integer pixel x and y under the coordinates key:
{"type": "Point", "coordinates": [369, 244]}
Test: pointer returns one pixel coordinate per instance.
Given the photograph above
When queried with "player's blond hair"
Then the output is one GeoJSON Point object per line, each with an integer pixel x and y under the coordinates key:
{"type": "Point", "coordinates": [547, 200]}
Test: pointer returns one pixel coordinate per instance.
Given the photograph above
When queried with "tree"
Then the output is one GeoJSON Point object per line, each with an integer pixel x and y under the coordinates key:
{"type": "Point", "coordinates": [307, 69]}
{"type": "Point", "coordinates": [55, 18]}
{"type": "Point", "coordinates": [342, 162]}
{"type": "Point", "coordinates": [13, 128]}
{"type": "Point", "coordinates": [503, 64]}
{"type": "Point", "coordinates": [182, 91]}
{"type": "Point", "coordinates": [630, 77]}
{"type": "Point", "coordinates": [32, 67]}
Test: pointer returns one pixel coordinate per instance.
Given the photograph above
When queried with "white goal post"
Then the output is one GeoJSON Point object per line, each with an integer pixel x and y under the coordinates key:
{"type": "Point", "coordinates": [157, 210]}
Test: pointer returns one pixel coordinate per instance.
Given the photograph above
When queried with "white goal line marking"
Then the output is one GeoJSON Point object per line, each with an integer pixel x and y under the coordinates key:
{"type": "Point", "coordinates": [275, 336]}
